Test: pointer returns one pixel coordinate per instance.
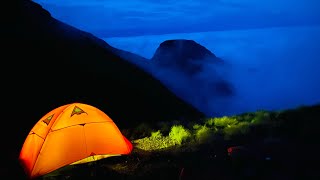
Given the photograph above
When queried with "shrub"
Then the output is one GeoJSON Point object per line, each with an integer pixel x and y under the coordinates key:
{"type": "Point", "coordinates": [210, 122]}
{"type": "Point", "coordinates": [142, 130]}
{"type": "Point", "coordinates": [261, 117]}
{"type": "Point", "coordinates": [246, 117]}
{"type": "Point", "coordinates": [225, 121]}
{"type": "Point", "coordinates": [164, 127]}
{"type": "Point", "coordinates": [203, 134]}
{"type": "Point", "coordinates": [178, 134]}
{"type": "Point", "coordinates": [156, 135]}
{"type": "Point", "coordinates": [236, 129]}
{"type": "Point", "coordinates": [196, 126]}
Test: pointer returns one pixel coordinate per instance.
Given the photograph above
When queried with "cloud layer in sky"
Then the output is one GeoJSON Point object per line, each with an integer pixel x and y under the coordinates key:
{"type": "Point", "coordinates": [140, 17]}
{"type": "Point", "coordinates": [271, 68]}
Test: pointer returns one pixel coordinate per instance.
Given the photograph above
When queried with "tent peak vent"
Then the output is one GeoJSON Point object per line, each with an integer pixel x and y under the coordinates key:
{"type": "Point", "coordinates": [76, 110]}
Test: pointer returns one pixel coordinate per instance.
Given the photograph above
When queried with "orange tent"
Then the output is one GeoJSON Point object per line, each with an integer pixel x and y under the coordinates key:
{"type": "Point", "coordinates": [70, 134]}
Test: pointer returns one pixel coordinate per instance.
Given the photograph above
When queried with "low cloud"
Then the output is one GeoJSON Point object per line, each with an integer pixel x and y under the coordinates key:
{"type": "Point", "coordinates": [270, 69]}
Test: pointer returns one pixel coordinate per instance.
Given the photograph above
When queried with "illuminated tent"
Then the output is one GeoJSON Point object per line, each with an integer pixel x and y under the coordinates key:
{"type": "Point", "coordinates": [71, 134]}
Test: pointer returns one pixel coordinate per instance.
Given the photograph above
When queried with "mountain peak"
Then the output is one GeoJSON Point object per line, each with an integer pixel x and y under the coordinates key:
{"type": "Point", "coordinates": [185, 54]}
{"type": "Point", "coordinates": [185, 43]}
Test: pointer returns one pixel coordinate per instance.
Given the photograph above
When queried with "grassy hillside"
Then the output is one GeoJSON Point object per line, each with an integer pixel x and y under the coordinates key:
{"type": "Point", "coordinates": [275, 145]}
{"type": "Point", "coordinates": [47, 63]}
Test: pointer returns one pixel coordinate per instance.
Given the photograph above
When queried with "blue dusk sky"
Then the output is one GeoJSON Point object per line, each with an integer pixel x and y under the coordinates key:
{"type": "Point", "coordinates": [278, 39]}
{"type": "Point", "coordinates": [109, 18]}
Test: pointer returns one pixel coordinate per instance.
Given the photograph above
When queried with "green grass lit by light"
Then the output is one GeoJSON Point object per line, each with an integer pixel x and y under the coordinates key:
{"type": "Point", "coordinates": [236, 129]}
{"type": "Point", "coordinates": [157, 141]}
{"type": "Point", "coordinates": [201, 132]}
{"type": "Point", "coordinates": [225, 121]}
{"type": "Point", "coordinates": [178, 134]}
{"type": "Point", "coordinates": [154, 143]}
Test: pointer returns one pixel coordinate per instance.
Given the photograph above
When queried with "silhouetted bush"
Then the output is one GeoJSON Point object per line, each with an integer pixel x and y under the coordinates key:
{"type": "Point", "coordinates": [142, 130]}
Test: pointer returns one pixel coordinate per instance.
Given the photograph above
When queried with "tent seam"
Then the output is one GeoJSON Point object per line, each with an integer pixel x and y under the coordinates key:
{"type": "Point", "coordinates": [44, 140]}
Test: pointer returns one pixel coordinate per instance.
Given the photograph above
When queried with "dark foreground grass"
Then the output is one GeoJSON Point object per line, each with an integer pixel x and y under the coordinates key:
{"type": "Point", "coordinates": [276, 145]}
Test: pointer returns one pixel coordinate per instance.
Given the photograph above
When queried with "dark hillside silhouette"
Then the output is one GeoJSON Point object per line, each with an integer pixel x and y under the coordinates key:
{"type": "Point", "coordinates": [47, 63]}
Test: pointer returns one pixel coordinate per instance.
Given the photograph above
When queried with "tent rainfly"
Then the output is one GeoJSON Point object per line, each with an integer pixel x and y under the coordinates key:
{"type": "Point", "coordinates": [71, 134]}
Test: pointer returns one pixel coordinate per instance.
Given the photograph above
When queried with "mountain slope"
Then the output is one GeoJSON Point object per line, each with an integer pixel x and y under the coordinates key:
{"type": "Point", "coordinates": [190, 71]}
{"type": "Point", "coordinates": [46, 63]}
